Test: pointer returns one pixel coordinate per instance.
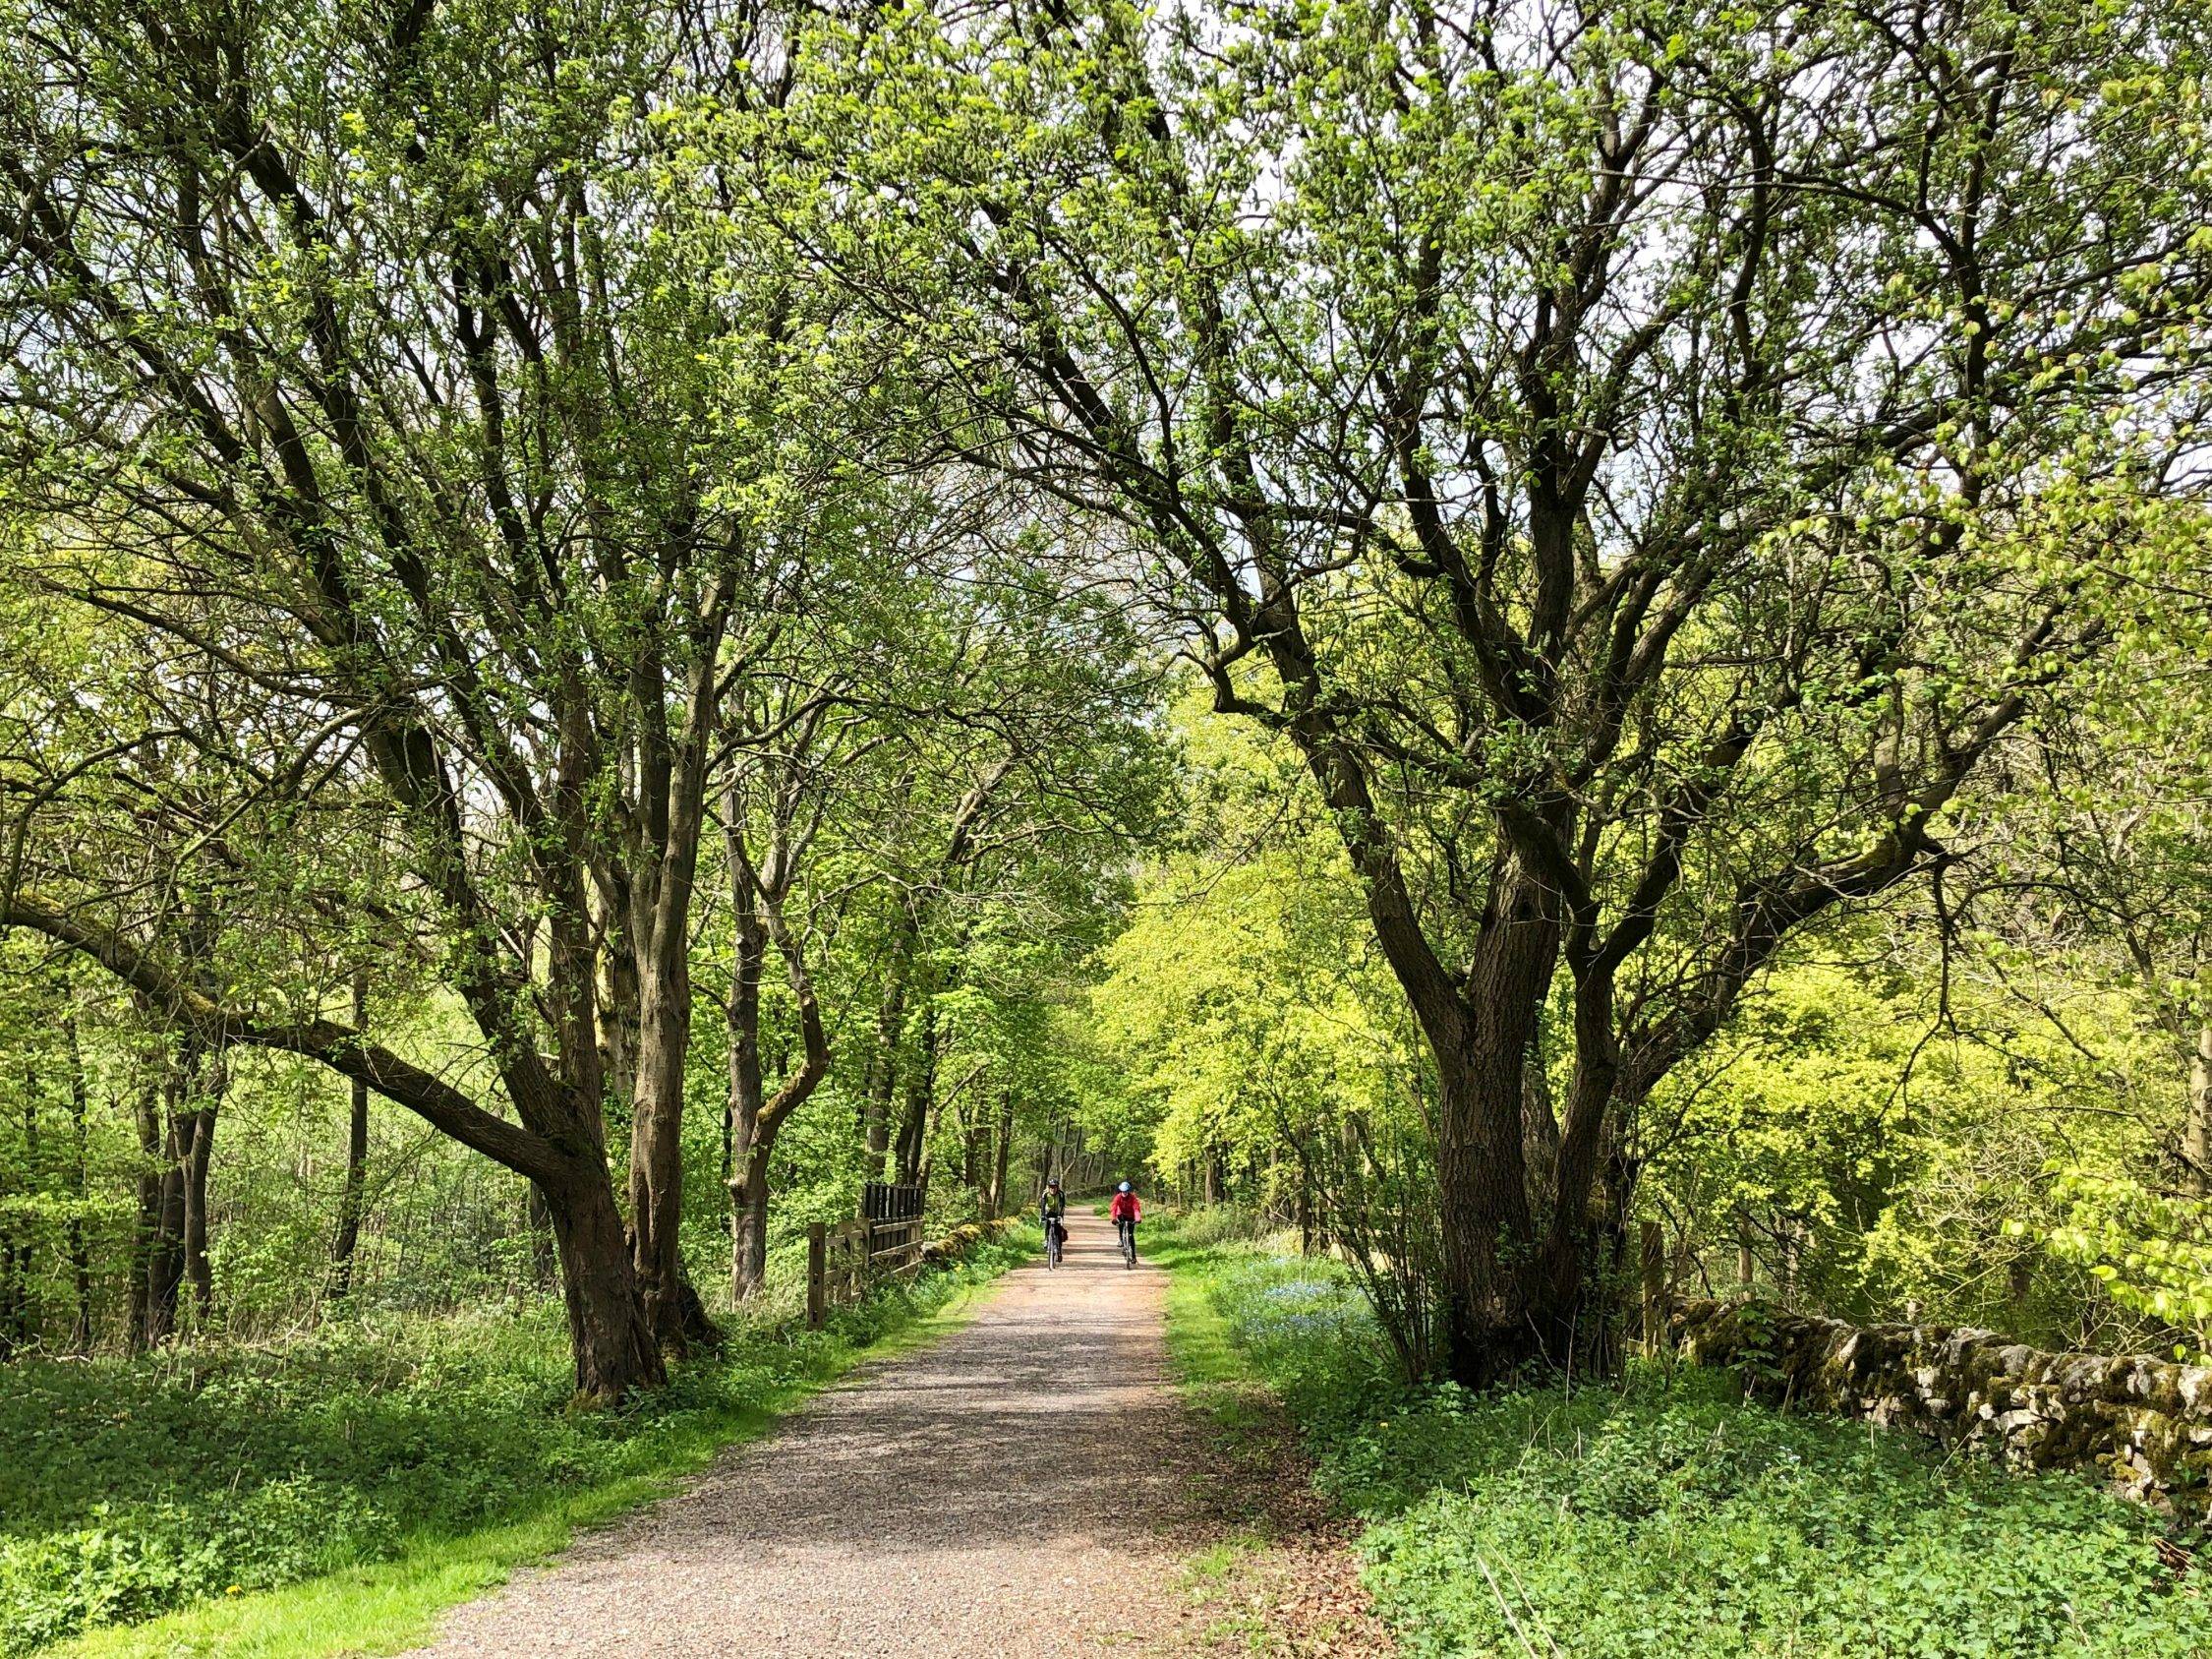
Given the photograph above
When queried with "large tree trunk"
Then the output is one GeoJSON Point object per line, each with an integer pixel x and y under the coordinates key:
{"type": "Point", "coordinates": [357, 1163]}
{"type": "Point", "coordinates": [673, 785]}
{"type": "Point", "coordinates": [1480, 1028]}
{"type": "Point", "coordinates": [615, 1348]}
{"type": "Point", "coordinates": [1488, 1245]}
{"type": "Point", "coordinates": [1493, 1318]}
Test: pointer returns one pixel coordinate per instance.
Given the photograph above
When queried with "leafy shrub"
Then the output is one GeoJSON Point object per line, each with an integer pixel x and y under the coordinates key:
{"type": "Point", "coordinates": [1218, 1224]}
{"type": "Point", "coordinates": [1668, 1517]}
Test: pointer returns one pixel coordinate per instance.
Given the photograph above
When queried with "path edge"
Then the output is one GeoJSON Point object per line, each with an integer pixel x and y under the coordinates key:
{"type": "Point", "coordinates": [395, 1606]}
{"type": "Point", "coordinates": [1241, 1577]}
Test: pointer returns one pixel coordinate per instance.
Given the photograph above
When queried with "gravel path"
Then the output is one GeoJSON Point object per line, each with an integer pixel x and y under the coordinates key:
{"type": "Point", "coordinates": [1026, 1486]}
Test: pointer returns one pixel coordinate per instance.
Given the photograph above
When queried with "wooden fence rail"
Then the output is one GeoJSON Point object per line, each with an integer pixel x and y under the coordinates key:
{"type": "Point", "coordinates": [844, 1263]}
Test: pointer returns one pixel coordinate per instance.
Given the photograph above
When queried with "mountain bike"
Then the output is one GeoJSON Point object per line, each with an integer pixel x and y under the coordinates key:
{"type": "Point", "coordinates": [1056, 1237]}
{"type": "Point", "coordinates": [1129, 1244]}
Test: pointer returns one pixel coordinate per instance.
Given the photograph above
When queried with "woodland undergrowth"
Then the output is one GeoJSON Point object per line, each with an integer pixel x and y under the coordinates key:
{"type": "Point", "coordinates": [1663, 1514]}
{"type": "Point", "coordinates": [133, 1487]}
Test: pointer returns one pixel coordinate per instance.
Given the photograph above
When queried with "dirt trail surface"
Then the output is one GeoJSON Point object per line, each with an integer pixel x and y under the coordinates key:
{"type": "Point", "coordinates": [1026, 1486]}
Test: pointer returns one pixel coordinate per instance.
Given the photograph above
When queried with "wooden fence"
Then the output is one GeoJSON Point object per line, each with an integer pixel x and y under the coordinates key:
{"type": "Point", "coordinates": [884, 1241]}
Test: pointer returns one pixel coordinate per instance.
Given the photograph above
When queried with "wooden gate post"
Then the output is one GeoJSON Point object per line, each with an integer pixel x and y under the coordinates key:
{"type": "Point", "coordinates": [817, 1273]}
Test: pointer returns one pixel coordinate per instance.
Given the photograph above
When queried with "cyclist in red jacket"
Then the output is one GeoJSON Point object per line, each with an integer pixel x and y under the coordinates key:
{"type": "Point", "coordinates": [1126, 1211]}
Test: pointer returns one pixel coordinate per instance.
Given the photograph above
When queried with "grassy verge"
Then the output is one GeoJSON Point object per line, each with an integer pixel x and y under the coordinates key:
{"type": "Point", "coordinates": [1215, 1373]}
{"type": "Point", "coordinates": [334, 1495]}
{"type": "Point", "coordinates": [1666, 1517]}
{"type": "Point", "coordinates": [1276, 1580]}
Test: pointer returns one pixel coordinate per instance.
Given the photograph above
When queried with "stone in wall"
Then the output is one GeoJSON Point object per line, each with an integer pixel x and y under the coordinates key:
{"type": "Point", "coordinates": [2143, 1424]}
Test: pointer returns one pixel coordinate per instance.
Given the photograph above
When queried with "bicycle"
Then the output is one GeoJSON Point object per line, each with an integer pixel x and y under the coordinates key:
{"type": "Point", "coordinates": [1129, 1244]}
{"type": "Point", "coordinates": [1055, 1238]}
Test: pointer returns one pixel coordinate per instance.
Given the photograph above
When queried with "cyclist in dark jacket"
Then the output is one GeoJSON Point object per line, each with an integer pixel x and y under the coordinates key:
{"type": "Point", "coordinates": [1052, 1211]}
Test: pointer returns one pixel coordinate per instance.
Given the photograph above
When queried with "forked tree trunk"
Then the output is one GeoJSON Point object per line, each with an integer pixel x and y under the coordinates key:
{"type": "Point", "coordinates": [658, 942]}
{"type": "Point", "coordinates": [178, 1249]}
{"type": "Point", "coordinates": [1496, 1309]}
{"type": "Point", "coordinates": [650, 974]}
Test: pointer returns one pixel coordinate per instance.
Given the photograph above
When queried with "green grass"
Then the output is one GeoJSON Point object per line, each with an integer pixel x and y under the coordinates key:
{"type": "Point", "coordinates": [1666, 1517]}
{"type": "Point", "coordinates": [335, 1494]}
{"type": "Point", "coordinates": [1216, 1374]}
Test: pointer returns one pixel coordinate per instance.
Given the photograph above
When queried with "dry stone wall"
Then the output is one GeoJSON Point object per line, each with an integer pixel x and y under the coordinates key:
{"type": "Point", "coordinates": [2144, 1424]}
{"type": "Point", "coordinates": [960, 1240]}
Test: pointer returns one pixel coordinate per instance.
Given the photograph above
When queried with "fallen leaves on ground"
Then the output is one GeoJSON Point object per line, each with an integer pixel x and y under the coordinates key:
{"type": "Point", "coordinates": [1289, 1586]}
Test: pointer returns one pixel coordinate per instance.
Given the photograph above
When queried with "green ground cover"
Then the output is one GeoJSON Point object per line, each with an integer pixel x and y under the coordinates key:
{"type": "Point", "coordinates": [1666, 1517]}
{"type": "Point", "coordinates": [337, 1491]}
